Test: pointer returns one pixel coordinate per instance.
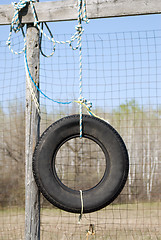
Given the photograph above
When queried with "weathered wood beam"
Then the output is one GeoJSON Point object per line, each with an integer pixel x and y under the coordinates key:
{"type": "Point", "coordinates": [32, 194]}
{"type": "Point", "coordinates": [67, 10]}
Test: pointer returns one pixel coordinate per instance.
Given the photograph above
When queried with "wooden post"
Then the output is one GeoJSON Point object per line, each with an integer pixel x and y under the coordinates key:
{"type": "Point", "coordinates": [32, 201]}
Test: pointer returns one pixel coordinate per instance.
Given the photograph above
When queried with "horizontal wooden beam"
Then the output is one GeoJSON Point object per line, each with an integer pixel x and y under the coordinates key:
{"type": "Point", "coordinates": [67, 10]}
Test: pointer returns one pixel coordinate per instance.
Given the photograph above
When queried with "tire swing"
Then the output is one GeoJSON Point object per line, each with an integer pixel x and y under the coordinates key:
{"type": "Point", "coordinates": [115, 174]}
{"type": "Point", "coordinates": [90, 129]}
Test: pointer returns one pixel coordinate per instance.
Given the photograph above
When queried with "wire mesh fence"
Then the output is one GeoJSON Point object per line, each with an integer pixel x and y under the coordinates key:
{"type": "Point", "coordinates": [122, 79]}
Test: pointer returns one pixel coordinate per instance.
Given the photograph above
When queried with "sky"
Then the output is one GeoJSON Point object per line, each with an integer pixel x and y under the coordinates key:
{"type": "Point", "coordinates": [110, 25]}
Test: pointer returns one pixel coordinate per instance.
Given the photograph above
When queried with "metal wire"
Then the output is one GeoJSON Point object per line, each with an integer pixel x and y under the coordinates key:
{"type": "Point", "coordinates": [123, 81]}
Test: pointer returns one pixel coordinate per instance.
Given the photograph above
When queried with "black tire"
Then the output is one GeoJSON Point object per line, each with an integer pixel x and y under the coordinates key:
{"type": "Point", "coordinates": [115, 175]}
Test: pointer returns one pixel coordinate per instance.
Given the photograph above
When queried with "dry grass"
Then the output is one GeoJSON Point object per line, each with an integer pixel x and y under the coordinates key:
{"type": "Point", "coordinates": [141, 221]}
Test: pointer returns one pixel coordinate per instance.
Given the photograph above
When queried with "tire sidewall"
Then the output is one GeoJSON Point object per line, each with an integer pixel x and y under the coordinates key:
{"type": "Point", "coordinates": [116, 171]}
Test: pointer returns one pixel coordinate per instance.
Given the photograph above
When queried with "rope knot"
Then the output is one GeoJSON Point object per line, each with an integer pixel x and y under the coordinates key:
{"type": "Point", "coordinates": [79, 28]}
{"type": "Point", "coordinates": [20, 5]}
{"type": "Point", "coordinates": [89, 105]}
{"type": "Point", "coordinates": [15, 5]}
{"type": "Point", "coordinates": [85, 102]}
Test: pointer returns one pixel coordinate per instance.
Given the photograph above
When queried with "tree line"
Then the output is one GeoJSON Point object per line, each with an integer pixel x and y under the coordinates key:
{"type": "Point", "coordinates": [78, 164]}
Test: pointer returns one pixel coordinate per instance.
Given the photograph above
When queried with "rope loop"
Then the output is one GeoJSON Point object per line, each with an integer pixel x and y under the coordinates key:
{"type": "Point", "coordinates": [52, 40]}
{"type": "Point", "coordinates": [82, 16]}
{"type": "Point", "coordinates": [16, 26]}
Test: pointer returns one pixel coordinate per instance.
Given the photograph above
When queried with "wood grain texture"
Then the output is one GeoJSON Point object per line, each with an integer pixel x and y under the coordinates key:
{"type": "Point", "coordinates": [32, 194]}
{"type": "Point", "coordinates": [67, 10]}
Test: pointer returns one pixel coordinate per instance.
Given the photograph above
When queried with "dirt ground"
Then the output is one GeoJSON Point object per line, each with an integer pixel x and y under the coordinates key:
{"type": "Point", "coordinates": [139, 221]}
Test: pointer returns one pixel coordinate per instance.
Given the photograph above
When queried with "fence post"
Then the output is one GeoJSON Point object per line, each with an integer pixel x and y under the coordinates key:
{"type": "Point", "coordinates": [32, 194]}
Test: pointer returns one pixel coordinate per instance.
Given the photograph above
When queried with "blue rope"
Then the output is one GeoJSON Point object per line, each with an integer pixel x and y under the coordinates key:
{"type": "Point", "coordinates": [27, 66]}
{"type": "Point", "coordinates": [82, 16]}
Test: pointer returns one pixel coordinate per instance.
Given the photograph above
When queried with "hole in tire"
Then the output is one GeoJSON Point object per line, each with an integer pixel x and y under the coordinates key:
{"type": "Point", "coordinates": [80, 164]}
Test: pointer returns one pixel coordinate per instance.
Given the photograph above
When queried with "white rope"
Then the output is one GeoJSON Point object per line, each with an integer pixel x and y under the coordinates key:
{"type": "Point", "coordinates": [81, 213]}
{"type": "Point", "coordinates": [82, 16]}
